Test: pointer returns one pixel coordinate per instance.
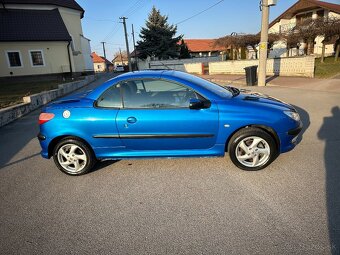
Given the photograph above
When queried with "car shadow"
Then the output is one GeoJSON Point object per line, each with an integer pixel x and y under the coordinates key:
{"type": "Point", "coordinates": [102, 164]}
{"type": "Point", "coordinates": [329, 132]}
{"type": "Point", "coordinates": [304, 116]}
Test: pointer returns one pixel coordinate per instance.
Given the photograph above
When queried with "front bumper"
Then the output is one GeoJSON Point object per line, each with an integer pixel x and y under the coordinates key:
{"type": "Point", "coordinates": [289, 139]}
{"type": "Point", "coordinates": [296, 131]}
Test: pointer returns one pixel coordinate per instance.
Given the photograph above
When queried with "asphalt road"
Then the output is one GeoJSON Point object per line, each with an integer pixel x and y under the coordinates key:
{"type": "Point", "coordinates": [177, 206]}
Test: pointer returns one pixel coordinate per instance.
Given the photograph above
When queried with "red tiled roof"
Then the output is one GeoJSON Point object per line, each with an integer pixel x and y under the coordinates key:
{"type": "Point", "coordinates": [202, 45]}
{"type": "Point", "coordinates": [303, 5]}
{"type": "Point", "coordinates": [96, 58]}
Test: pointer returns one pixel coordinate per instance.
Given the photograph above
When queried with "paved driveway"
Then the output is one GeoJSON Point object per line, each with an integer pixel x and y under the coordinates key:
{"type": "Point", "coordinates": [178, 206]}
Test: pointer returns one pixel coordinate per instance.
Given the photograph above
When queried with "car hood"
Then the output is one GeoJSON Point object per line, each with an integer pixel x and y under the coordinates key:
{"type": "Point", "coordinates": [263, 99]}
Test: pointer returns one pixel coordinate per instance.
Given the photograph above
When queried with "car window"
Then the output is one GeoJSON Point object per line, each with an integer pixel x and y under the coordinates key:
{"type": "Point", "coordinates": [156, 94]}
{"type": "Point", "coordinates": [111, 98]}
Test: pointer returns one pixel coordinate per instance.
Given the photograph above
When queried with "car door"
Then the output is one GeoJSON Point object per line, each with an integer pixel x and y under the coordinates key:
{"type": "Point", "coordinates": [102, 120]}
{"type": "Point", "coordinates": [156, 116]}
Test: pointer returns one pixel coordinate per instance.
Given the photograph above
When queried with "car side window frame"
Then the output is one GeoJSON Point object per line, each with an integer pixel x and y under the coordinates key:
{"type": "Point", "coordinates": [160, 79]}
{"type": "Point", "coordinates": [95, 104]}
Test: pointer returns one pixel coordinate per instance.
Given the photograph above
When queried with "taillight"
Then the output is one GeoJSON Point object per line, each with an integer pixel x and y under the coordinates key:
{"type": "Point", "coordinates": [44, 117]}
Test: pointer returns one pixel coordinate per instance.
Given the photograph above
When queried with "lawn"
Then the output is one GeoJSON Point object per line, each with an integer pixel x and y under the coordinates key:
{"type": "Point", "coordinates": [12, 93]}
{"type": "Point", "coordinates": [327, 69]}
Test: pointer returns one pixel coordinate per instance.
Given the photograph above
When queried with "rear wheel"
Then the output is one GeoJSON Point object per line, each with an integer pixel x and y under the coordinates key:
{"type": "Point", "coordinates": [252, 149]}
{"type": "Point", "coordinates": [73, 157]}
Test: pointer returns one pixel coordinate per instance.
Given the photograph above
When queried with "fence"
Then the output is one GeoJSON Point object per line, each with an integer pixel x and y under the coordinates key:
{"type": "Point", "coordinates": [175, 64]}
{"type": "Point", "coordinates": [297, 66]}
{"type": "Point", "coordinates": [291, 66]}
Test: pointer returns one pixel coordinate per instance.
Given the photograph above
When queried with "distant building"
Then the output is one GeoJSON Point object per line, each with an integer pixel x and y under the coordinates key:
{"type": "Point", "coordinates": [43, 38]}
{"type": "Point", "coordinates": [297, 13]}
{"type": "Point", "coordinates": [101, 64]}
{"type": "Point", "coordinates": [122, 60]}
{"type": "Point", "coordinates": [203, 48]}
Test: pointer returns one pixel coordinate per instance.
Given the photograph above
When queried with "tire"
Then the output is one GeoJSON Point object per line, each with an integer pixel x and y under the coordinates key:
{"type": "Point", "coordinates": [252, 149]}
{"type": "Point", "coordinates": [74, 157]}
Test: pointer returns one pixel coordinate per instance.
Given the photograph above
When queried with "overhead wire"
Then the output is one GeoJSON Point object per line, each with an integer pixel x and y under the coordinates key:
{"type": "Point", "coordinates": [199, 13]}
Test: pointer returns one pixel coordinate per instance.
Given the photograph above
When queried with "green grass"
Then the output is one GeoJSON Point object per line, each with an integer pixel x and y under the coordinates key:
{"type": "Point", "coordinates": [12, 93]}
{"type": "Point", "coordinates": [328, 69]}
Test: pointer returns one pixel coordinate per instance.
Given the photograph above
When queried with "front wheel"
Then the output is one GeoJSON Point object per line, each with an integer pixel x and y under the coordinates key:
{"type": "Point", "coordinates": [252, 149]}
{"type": "Point", "coordinates": [73, 157]}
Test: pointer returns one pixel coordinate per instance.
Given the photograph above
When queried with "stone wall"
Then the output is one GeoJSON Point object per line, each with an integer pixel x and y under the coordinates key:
{"type": "Point", "coordinates": [34, 101]}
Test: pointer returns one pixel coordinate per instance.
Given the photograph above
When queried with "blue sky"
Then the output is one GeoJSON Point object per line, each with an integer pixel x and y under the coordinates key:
{"type": "Point", "coordinates": [101, 21]}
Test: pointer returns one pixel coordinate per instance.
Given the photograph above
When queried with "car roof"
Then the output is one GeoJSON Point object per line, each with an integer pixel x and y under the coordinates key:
{"type": "Point", "coordinates": [184, 78]}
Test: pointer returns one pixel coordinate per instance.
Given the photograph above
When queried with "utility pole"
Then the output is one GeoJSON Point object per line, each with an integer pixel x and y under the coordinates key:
{"type": "Point", "coordinates": [121, 56]}
{"type": "Point", "coordinates": [127, 43]}
{"type": "Point", "coordinates": [104, 49]}
{"type": "Point", "coordinates": [134, 46]}
{"type": "Point", "coordinates": [264, 7]}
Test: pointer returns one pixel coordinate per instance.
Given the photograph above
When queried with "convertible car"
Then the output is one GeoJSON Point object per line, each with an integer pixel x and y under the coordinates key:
{"type": "Point", "coordinates": [166, 113]}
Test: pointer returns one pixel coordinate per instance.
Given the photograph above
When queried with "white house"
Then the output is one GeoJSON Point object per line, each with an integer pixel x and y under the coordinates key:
{"type": "Point", "coordinates": [42, 38]}
{"type": "Point", "coordinates": [300, 11]}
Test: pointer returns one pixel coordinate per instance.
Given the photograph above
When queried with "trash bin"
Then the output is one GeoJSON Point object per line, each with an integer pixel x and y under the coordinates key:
{"type": "Point", "coordinates": [251, 75]}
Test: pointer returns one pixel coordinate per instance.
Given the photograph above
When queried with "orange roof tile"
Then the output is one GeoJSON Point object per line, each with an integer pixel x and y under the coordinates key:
{"type": "Point", "coordinates": [96, 58]}
{"type": "Point", "coordinates": [202, 45]}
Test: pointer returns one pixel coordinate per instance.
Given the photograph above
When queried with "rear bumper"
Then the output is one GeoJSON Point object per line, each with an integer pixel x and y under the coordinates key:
{"type": "Point", "coordinates": [44, 145]}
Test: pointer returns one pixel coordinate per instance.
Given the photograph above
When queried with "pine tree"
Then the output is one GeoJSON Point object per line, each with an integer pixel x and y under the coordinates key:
{"type": "Point", "coordinates": [158, 37]}
{"type": "Point", "coordinates": [184, 51]}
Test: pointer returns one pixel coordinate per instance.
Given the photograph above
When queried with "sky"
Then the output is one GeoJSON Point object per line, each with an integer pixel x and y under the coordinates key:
{"type": "Point", "coordinates": [101, 20]}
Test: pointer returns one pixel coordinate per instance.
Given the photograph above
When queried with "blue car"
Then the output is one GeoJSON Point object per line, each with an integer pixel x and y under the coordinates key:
{"type": "Point", "coordinates": [166, 113]}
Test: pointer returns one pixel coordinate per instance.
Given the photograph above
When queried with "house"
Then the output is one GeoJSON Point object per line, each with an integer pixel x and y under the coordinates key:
{"type": "Point", "coordinates": [101, 64]}
{"type": "Point", "coordinates": [203, 48]}
{"type": "Point", "coordinates": [297, 13]}
{"type": "Point", "coordinates": [43, 38]}
{"type": "Point", "coordinates": [122, 60]}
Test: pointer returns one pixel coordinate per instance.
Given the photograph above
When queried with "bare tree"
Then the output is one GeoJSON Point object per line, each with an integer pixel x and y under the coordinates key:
{"type": "Point", "coordinates": [292, 40]}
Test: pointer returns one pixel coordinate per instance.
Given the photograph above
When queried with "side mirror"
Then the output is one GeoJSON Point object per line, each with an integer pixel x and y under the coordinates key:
{"type": "Point", "coordinates": [197, 104]}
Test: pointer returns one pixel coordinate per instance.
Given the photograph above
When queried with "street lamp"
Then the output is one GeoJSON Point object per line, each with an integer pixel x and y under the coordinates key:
{"type": "Point", "coordinates": [264, 6]}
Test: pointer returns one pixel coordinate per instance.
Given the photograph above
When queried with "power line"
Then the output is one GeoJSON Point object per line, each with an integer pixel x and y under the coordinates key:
{"type": "Point", "coordinates": [130, 11]}
{"type": "Point", "coordinates": [195, 15]}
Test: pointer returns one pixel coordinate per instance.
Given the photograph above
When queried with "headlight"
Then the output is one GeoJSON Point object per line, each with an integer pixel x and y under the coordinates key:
{"type": "Point", "coordinates": [294, 115]}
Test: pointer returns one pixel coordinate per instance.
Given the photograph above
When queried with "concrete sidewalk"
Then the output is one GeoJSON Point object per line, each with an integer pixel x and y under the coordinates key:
{"type": "Point", "coordinates": [328, 85]}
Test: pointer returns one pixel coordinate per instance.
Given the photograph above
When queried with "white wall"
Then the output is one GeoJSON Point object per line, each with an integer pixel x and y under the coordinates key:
{"type": "Point", "coordinates": [86, 52]}
{"type": "Point", "coordinates": [298, 66]}
{"type": "Point", "coordinates": [176, 64]}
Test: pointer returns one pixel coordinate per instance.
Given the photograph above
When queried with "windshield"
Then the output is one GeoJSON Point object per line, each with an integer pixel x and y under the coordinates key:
{"type": "Point", "coordinates": [225, 92]}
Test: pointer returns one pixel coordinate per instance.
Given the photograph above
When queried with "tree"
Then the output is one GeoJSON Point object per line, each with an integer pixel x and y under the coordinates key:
{"type": "Point", "coordinates": [184, 51]}
{"type": "Point", "coordinates": [158, 37]}
{"type": "Point", "coordinates": [292, 40]}
{"type": "Point", "coordinates": [120, 56]}
{"type": "Point", "coordinates": [253, 41]}
{"type": "Point", "coordinates": [329, 29]}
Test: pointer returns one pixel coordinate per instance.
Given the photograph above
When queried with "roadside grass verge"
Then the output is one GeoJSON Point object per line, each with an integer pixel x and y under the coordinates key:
{"type": "Point", "coordinates": [12, 93]}
{"type": "Point", "coordinates": [327, 69]}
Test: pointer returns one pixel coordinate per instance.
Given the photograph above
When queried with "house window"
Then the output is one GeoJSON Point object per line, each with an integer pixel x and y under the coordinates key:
{"type": "Point", "coordinates": [321, 13]}
{"type": "Point", "coordinates": [14, 59]}
{"type": "Point", "coordinates": [37, 58]}
{"type": "Point", "coordinates": [300, 19]}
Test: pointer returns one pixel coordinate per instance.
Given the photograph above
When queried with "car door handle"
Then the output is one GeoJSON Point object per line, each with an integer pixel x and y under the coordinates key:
{"type": "Point", "coordinates": [131, 120]}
